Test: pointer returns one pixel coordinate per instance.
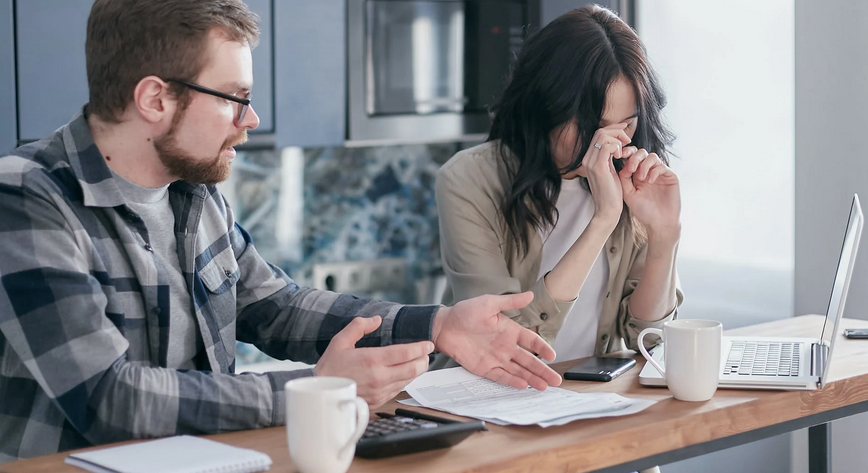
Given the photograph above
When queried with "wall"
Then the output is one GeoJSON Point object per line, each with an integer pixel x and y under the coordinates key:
{"type": "Point", "coordinates": [341, 204]}
{"type": "Point", "coordinates": [727, 68]}
{"type": "Point", "coordinates": [831, 116]}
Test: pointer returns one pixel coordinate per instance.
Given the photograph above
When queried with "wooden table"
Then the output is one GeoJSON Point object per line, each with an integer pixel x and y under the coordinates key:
{"type": "Point", "coordinates": [668, 431]}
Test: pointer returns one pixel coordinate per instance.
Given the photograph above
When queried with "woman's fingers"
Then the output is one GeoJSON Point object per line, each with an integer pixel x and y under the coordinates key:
{"type": "Point", "coordinates": [645, 166]}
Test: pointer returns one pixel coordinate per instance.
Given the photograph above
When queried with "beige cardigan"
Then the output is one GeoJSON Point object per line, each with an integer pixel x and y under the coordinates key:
{"type": "Point", "coordinates": [480, 257]}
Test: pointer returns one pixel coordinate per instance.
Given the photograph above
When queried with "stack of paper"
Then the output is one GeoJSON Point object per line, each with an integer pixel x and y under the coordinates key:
{"type": "Point", "coordinates": [459, 392]}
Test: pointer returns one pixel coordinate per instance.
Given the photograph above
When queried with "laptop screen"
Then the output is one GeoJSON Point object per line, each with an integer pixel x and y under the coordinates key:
{"type": "Point", "coordinates": [842, 280]}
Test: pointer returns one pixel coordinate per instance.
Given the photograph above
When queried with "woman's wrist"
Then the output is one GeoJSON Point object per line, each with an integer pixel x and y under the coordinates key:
{"type": "Point", "coordinates": [664, 235]}
{"type": "Point", "coordinates": [604, 221]}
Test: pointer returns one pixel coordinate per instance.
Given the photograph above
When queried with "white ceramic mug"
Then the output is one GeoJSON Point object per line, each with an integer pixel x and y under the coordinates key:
{"type": "Point", "coordinates": [324, 420]}
{"type": "Point", "coordinates": [691, 356]}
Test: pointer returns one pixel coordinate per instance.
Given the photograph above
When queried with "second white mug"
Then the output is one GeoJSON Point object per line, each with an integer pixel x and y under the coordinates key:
{"type": "Point", "coordinates": [324, 420]}
{"type": "Point", "coordinates": [692, 357]}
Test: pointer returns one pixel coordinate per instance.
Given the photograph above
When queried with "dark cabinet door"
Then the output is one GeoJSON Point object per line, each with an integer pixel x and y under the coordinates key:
{"type": "Point", "coordinates": [8, 110]}
{"type": "Point", "coordinates": [52, 78]}
{"type": "Point", "coordinates": [263, 71]}
{"type": "Point", "coordinates": [310, 72]}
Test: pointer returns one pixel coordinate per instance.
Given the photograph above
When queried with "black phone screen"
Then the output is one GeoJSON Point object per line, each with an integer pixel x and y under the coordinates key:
{"type": "Point", "coordinates": [599, 368]}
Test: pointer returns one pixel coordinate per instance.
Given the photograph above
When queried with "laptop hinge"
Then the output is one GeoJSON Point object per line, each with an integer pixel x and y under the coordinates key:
{"type": "Point", "coordinates": [819, 355]}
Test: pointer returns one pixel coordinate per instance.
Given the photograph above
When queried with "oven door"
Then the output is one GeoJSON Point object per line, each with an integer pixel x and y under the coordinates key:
{"type": "Point", "coordinates": [414, 61]}
{"type": "Point", "coordinates": [422, 71]}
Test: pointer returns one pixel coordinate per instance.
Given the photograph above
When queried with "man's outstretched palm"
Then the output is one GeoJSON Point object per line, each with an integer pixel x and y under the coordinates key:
{"type": "Point", "coordinates": [487, 343]}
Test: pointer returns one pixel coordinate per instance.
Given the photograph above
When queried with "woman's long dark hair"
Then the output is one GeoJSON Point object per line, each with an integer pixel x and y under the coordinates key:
{"type": "Point", "coordinates": [562, 73]}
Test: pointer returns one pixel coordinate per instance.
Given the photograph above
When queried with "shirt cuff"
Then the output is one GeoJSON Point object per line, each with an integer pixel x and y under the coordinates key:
{"type": "Point", "coordinates": [634, 326]}
{"type": "Point", "coordinates": [545, 312]}
{"type": "Point", "coordinates": [414, 323]}
{"type": "Point", "coordinates": [278, 393]}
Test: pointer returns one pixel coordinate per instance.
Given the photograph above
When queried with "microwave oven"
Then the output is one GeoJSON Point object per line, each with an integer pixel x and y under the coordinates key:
{"type": "Point", "coordinates": [428, 70]}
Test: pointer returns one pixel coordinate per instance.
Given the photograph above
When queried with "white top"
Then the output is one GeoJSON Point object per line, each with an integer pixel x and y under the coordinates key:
{"type": "Point", "coordinates": [577, 336]}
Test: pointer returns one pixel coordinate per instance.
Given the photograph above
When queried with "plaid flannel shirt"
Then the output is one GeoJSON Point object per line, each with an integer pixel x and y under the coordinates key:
{"type": "Point", "coordinates": [84, 310]}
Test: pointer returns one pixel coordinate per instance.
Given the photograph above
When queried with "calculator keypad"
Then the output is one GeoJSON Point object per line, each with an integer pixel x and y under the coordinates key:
{"type": "Point", "coordinates": [392, 425]}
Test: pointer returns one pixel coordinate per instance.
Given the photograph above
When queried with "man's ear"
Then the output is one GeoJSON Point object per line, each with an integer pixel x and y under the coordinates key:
{"type": "Point", "coordinates": [152, 100]}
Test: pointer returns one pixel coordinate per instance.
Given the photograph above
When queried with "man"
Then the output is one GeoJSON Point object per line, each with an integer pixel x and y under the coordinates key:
{"type": "Point", "coordinates": [126, 280]}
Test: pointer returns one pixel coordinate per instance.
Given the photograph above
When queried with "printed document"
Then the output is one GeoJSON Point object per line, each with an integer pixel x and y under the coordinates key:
{"type": "Point", "coordinates": [460, 392]}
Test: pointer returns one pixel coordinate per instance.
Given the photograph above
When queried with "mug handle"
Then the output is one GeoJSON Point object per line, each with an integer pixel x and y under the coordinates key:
{"type": "Point", "coordinates": [362, 416]}
{"type": "Point", "coordinates": [645, 351]}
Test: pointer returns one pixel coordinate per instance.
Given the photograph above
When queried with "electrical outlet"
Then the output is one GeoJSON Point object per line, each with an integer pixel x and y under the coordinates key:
{"type": "Point", "coordinates": [385, 274]}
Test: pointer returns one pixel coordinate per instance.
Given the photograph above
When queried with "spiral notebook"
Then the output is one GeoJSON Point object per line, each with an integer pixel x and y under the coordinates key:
{"type": "Point", "coordinates": [183, 454]}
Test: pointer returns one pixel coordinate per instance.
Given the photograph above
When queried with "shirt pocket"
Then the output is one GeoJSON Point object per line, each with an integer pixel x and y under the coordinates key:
{"type": "Point", "coordinates": [220, 277]}
{"type": "Point", "coordinates": [220, 274]}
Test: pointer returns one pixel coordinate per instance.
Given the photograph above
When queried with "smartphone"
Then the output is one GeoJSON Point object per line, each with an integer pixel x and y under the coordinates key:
{"type": "Point", "coordinates": [599, 368]}
{"type": "Point", "coordinates": [856, 332]}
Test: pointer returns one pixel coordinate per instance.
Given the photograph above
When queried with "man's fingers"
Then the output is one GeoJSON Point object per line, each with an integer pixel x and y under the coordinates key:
{"type": "Point", "coordinates": [532, 342]}
{"type": "Point", "coordinates": [522, 373]}
{"type": "Point", "coordinates": [510, 301]}
{"type": "Point", "coordinates": [406, 372]}
{"type": "Point", "coordinates": [501, 376]}
{"type": "Point", "coordinates": [381, 375]}
{"type": "Point", "coordinates": [387, 393]}
{"type": "Point", "coordinates": [355, 330]}
{"type": "Point", "coordinates": [531, 369]}
{"type": "Point", "coordinates": [401, 353]}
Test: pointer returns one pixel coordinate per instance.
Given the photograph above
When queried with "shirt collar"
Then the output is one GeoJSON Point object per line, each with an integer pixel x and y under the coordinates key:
{"type": "Point", "coordinates": [98, 185]}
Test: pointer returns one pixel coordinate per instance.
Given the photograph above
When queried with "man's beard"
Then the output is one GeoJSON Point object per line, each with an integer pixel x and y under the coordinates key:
{"type": "Point", "coordinates": [181, 164]}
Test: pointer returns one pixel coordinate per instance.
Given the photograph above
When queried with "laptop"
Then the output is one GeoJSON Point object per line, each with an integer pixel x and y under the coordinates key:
{"type": "Point", "coordinates": [783, 362]}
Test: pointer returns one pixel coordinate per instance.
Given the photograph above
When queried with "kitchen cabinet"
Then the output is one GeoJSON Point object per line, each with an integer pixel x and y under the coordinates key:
{"type": "Point", "coordinates": [300, 68]}
{"type": "Point", "coordinates": [8, 110]}
{"type": "Point", "coordinates": [310, 72]}
{"type": "Point", "coordinates": [263, 66]}
{"type": "Point", "coordinates": [52, 75]}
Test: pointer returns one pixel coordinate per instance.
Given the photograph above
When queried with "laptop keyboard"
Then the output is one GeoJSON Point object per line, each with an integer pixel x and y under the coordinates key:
{"type": "Point", "coordinates": [763, 358]}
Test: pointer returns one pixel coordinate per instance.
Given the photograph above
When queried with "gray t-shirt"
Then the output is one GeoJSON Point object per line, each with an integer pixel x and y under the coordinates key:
{"type": "Point", "coordinates": [152, 204]}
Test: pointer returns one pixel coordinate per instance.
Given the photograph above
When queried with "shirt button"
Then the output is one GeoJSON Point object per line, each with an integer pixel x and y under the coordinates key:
{"type": "Point", "coordinates": [148, 247]}
{"type": "Point", "coordinates": [612, 249]}
{"type": "Point", "coordinates": [227, 272]}
{"type": "Point", "coordinates": [605, 336]}
{"type": "Point", "coordinates": [543, 316]}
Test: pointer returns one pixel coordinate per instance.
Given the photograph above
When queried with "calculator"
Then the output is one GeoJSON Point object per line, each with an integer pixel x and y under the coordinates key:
{"type": "Point", "coordinates": [408, 431]}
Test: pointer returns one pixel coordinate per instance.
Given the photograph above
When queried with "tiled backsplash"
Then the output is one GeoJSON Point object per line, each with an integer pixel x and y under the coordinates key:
{"type": "Point", "coordinates": [321, 205]}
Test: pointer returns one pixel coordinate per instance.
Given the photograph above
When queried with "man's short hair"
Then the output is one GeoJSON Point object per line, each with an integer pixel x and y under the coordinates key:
{"type": "Point", "coordinates": [128, 40]}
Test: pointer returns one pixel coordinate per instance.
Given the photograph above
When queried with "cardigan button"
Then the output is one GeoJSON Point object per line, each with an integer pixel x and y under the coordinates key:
{"type": "Point", "coordinates": [543, 316]}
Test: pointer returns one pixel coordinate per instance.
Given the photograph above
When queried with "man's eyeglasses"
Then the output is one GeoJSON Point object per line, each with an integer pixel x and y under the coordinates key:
{"type": "Point", "coordinates": [242, 110]}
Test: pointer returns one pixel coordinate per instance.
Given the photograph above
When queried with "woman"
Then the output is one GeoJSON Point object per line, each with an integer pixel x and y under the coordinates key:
{"type": "Point", "coordinates": [571, 196]}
